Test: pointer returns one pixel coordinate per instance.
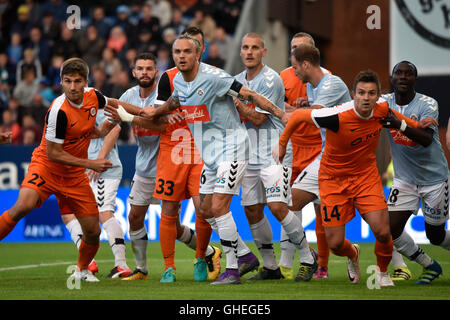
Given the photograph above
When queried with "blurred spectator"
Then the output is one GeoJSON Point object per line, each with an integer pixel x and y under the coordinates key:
{"type": "Point", "coordinates": [28, 123]}
{"type": "Point", "coordinates": [164, 59]}
{"type": "Point", "coordinates": [205, 23]}
{"type": "Point", "coordinates": [208, 7]}
{"type": "Point", "coordinates": [223, 42]}
{"type": "Point", "coordinates": [186, 5]}
{"type": "Point", "coordinates": [57, 8]}
{"type": "Point", "coordinates": [146, 42]}
{"type": "Point", "coordinates": [214, 58]}
{"type": "Point", "coordinates": [161, 9]}
{"type": "Point", "coordinates": [7, 71]}
{"type": "Point", "coordinates": [177, 23]}
{"type": "Point", "coordinates": [128, 63]}
{"type": "Point", "coordinates": [149, 22]}
{"type": "Point", "coordinates": [91, 46]}
{"type": "Point", "coordinates": [9, 123]}
{"type": "Point", "coordinates": [120, 84]}
{"type": "Point", "coordinates": [117, 40]}
{"type": "Point", "coordinates": [109, 63]}
{"type": "Point", "coordinates": [35, 11]}
{"type": "Point", "coordinates": [99, 20]}
{"type": "Point", "coordinates": [15, 48]}
{"type": "Point", "coordinates": [23, 24]}
{"type": "Point", "coordinates": [66, 46]}
{"type": "Point", "coordinates": [135, 13]}
{"type": "Point", "coordinates": [50, 28]}
{"type": "Point", "coordinates": [53, 75]}
{"type": "Point", "coordinates": [29, 61]}
{"type": "Point", "coordinates": [26, 88]}
{"type": "Point", "coordinates": [228, 15]}
{"type": "Point", "coordinates": [40, 46]}
{"type": "Point", "coordinates": [123, 12]}
{"type": "Point", "coordinates": [99, 80]}
{"type": "Point", "coordinates": [29, 137]}
{"type": "Point", "coordinates": [169, 35]}
{"type": "Point", "coordinates": [45, 95]}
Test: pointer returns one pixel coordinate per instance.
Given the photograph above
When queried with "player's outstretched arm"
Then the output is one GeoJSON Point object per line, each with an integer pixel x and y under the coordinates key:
{"type": "Point", "coordinates": [132, 109]}
{"type": "Point", "coordinates": [56, 153]}
{"type": "Point", "coordinates": [151, 112]}
{"type": "Point", "coordinates": [297, 117]}
{"type": "Point", "coordinates": [5, 137]}
{"type": "Point", "coordinates": [262, 102]}
{"type": "Point", "coordinates": [255, 117]}
{"type": "Point", "coordinates": [409, 127]}
{"type": "Point", "coordinates": [447, 135]}
{"type": "Point", "coordinates": [102, 130]}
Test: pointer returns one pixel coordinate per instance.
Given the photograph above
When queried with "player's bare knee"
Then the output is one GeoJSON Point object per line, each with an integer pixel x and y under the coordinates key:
{"type": "Point", "coordinates": [383, 236]}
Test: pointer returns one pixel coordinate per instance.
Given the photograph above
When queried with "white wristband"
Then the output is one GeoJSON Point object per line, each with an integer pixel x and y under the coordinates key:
{"type": "Point", "coordinates": [124, 115]}
{"type": "Point", "coordinates": [403, 126]}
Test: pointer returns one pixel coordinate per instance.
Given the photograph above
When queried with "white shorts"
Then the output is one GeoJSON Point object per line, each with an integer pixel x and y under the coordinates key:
{"type": "Point", "coordinates": [270, 184]}
{"type": "Point", "coordinates": [308, 180]}
{"type": "Point", "coordinates": [105, 191]}
{"type": "Point", "coordinates": [141, 191]}
{"type": "Point", "coordinates": [226, 179]}
{"type": "Point", "coordinates": [405, 196]}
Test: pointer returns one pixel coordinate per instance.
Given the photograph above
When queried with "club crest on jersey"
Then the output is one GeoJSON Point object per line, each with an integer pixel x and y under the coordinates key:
{"type": "Point", "coordinates": [93, 111]}
{"type": "Point", "coordinates": [200, 92]}
{"type": "Point", "coordinates": [414, 117]}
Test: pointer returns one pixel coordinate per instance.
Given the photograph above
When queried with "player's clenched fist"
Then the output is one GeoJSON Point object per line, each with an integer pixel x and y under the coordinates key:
{"type": "Point", "coordinates": [100, 165]}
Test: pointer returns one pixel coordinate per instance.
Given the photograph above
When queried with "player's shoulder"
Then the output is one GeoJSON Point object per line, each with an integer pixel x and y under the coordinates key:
{"type": "Point", "coordinates": [270, 74]}
{"type": "Point", "coordinates": [426, 100]}
{"type": "Point", "coordinates": [289, 71]}
{"type": "Point", "coordinates": [129, 93]}
{"type": "Point", "coordinates": [212, 72]}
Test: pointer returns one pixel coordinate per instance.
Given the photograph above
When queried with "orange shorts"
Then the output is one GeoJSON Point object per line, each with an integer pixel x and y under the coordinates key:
{"type": "Point", "coordinates": [302, 157]}
{"type": "Point", "coordinates": [176, 182]}
{"type": "Point", "coordinates": [341, 195]}
{"type": "Point", "coordinates": [74, 195]}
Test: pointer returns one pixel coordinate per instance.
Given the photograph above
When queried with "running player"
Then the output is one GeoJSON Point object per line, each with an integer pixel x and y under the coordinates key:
{"type": "Point", "coordinates": [348, 175]}
{"type": "Point", "coordinates": [264, 180]}
{"type": "Point", "coordinates": [306, 146]}
{"type": "Point", "coordinates": [105, 187]}
{"type": "Point", "coordinates": [421, 175]}
{"type": "Point", "coordinates": [58, 165]}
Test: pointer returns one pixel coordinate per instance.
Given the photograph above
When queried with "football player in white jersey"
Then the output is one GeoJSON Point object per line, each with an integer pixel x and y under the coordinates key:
{"type": "Point", "coordinates": [266, 181]}
{"type": "Point", "coordinates": [420, 175]}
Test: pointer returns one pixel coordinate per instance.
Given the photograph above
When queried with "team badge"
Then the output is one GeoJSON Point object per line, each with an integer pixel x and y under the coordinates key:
{"type": "Point", "coordinates": [200, 92]}
{"type": "Point", "coordinates": [414, 117]}
{"type": "Point", "coordinates": [93, 111]}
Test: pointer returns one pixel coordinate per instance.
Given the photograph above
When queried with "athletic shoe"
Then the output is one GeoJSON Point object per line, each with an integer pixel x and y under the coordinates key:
{"type": "Point", "coordinates": [84, 275]}
{"type": "Point", "coordinates": [230, 276]}
{"type": "Point", "coordinates": [321, 273]}
{"type": "Point", "coordinates": [137, 274]}
{"type": "Point", "coordinates": [247, 263]}
{"type": "Point", "coordinates": [213, 263]}
{"type": "Point", "coordinates": [288, 273]}
{"type": "Point", "coordinates": [93, 267]}
{"type": "Point", "coordinates": [200, 270]}
{"type": "Point", "coordinates": [118, 272]}
{"type": "Point", "coordinates": [306, 271]}
{"type": "Point", "coordinates": [384, 279]}
{"type": "Point", "coordinates": [353, 271]}
{"type": "Point", "coordinates": [401, 274]}
{"type": "Point", "coordinates": [430, 273]}
{"type": "Point", "coordinates": [168, 276]}
{"type": "Point", "coordinates": [267, 274]}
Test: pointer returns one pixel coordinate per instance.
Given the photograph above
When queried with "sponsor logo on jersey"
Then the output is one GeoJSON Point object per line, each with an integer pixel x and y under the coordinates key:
{"type": "Point", "coordinates": [196, 113]}
{"type": "Point", "coordinates": [400, 138]}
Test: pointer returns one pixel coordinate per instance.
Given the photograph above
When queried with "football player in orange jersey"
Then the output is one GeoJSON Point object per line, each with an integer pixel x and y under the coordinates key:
{"type": "Point", "coordinates": [58, 165]}
{"type": "Point", "coordinates": [306, 146]}
{"type": "Point", "coordinates": [348, 175]}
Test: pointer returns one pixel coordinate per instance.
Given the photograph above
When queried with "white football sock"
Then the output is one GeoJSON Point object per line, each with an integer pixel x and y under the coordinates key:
{"type": "Point", "coordinates": [116, 241]}
{"type": "Point", "coordinates": [75, 231]}
{"type": "Point", "coordinates": [188, 237]}
{"type": "Point", "coordinates": [287, 248]}
{"type": "Point", "coordinates": [213, 223]}
{"type": "Point", "coordinates": [397, 259]}
{"type": "Point", "coordinates": [229, 239]}
{"type": "Point", "coordinates": [406, 246]}
{"type": "Point", "coordinates": [294, 229]}
{"type": "Point", "coordinates": [262, 236]}
{"type": "Point", "coordinates": [139, 242]}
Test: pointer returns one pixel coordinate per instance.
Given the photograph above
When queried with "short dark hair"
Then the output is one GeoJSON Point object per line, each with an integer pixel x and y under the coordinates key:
{"type": "Point", "coordinates": [193, 31]}
{"type": "Point", "coordinates": [305, 35]}
{"type": "Point", "coordinates": [307, 52]}
{"type": "Point", "coordinates": [145, 56]}
{"type": "Point", "coordinates": [75, 66]}
{"type": "Point", "coordinates": [367, 76]}
{"type": "Point", "coordinates": [410, 64]}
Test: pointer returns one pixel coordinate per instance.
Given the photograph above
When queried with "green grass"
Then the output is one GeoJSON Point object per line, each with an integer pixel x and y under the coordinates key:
{"type": "Point", "coordinates": [30, 271]}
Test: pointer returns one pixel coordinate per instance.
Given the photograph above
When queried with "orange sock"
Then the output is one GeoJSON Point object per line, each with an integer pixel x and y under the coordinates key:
{"type": "Point", "coordinates": [203, 230]}
{"type": "Point", "coordinates": [322, 245]}
{"type": "Point", "coordinates": [6, 225]}
{"type": "Point", "coordinates": [347, 250]}
{"type": "Point", "coordinates": [383, 251]}
{"type": "Point", "coordinates": [167, 237]}
{"type": "Point", "coordinates": [86, 253]}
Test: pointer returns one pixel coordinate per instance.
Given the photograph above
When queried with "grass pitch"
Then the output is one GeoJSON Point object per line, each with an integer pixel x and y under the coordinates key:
{"type": "Point", "coordinates": [38, 271]}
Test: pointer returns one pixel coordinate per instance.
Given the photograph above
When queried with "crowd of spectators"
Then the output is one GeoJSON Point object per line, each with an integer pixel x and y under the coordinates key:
{"type": "Point", "coordinates": [35, 38]}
